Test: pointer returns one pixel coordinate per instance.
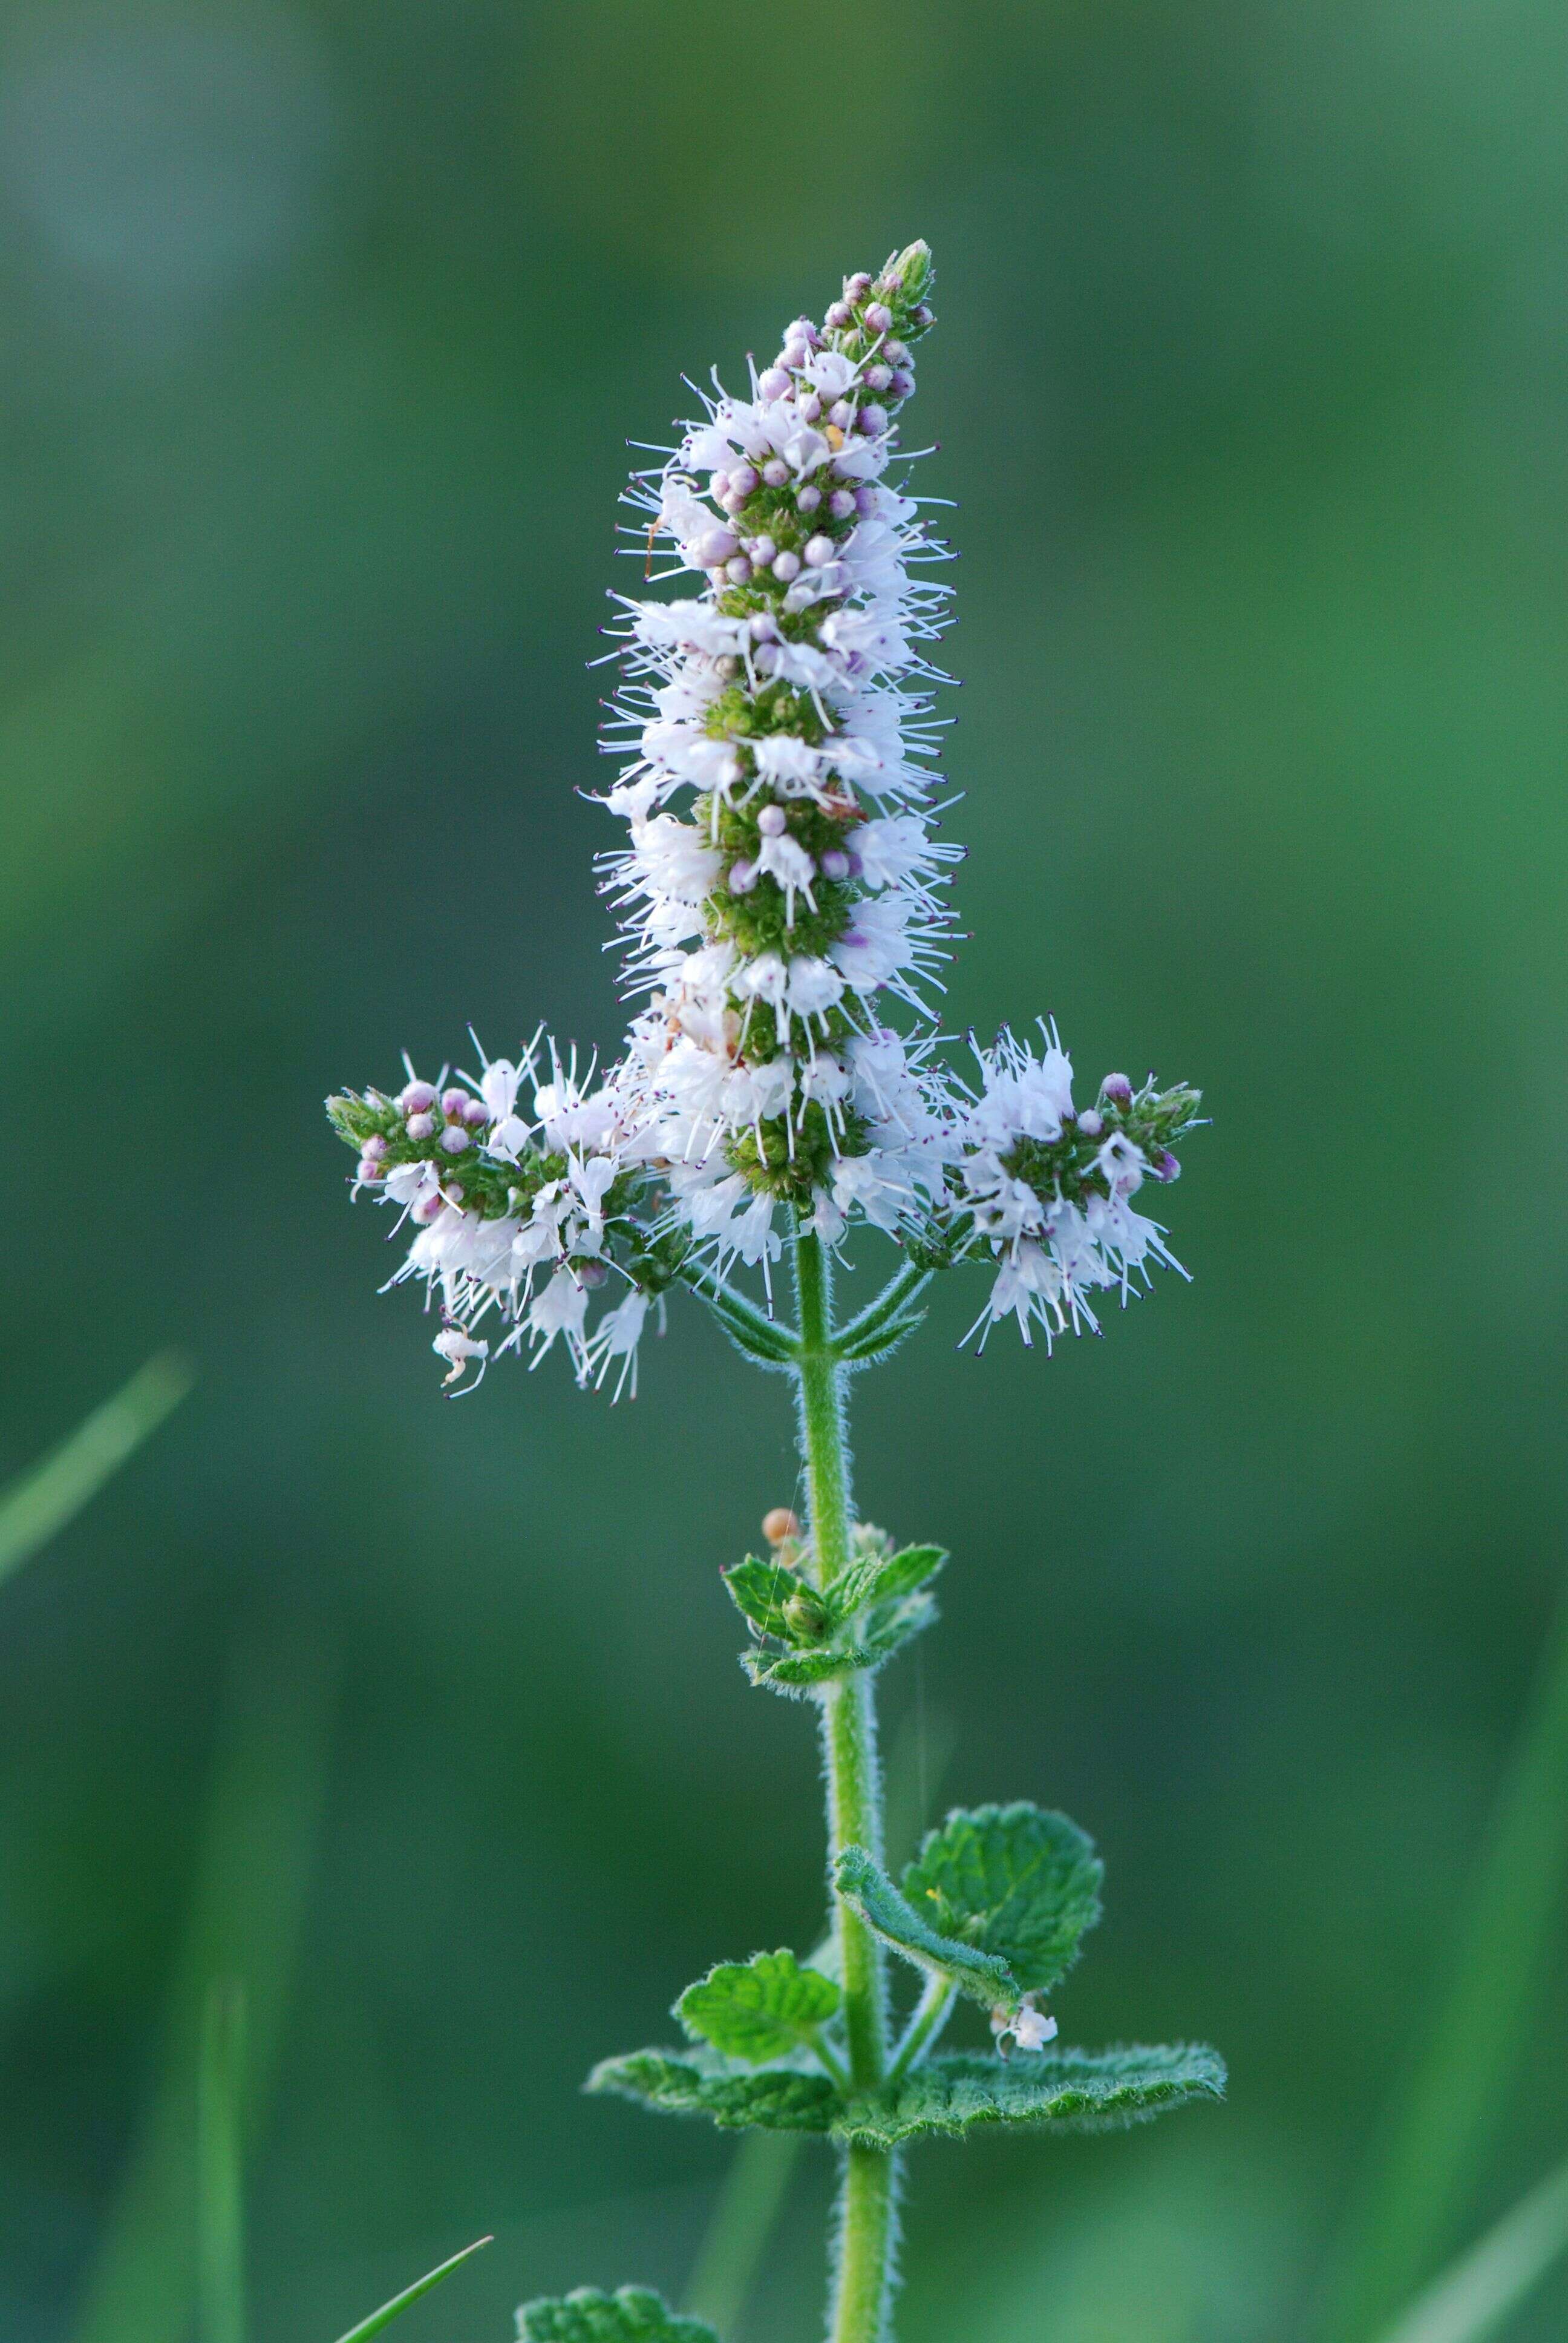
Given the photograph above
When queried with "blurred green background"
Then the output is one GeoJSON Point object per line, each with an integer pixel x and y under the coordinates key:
{"type": "Point", "coordinates": [321, 331]}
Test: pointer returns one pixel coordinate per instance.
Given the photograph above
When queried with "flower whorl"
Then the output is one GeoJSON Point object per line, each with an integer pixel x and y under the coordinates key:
{"type": "Point", "coordinates": [782, 901]}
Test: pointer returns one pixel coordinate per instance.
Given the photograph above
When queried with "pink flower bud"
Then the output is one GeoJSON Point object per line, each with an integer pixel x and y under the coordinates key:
{"type": "Point", "coordinates": [807, 499]}
{"type": "Point", "coordinates": [787, 566]}
{"type": "Point", "coordinates": [476, 1113]}
{"type": "Point", "coordinates": [776, 471]}
{"type": "Point", "coordinates": [772, 383]}
{"type": "Point", "coordinates": [743, 479]}
{"type": "Point", "coordinates": [428, 1209]}
{"type": "Point", "coordinates": [923, 315]}
{"type": "Point", "coordinates": [895, 353]}
{"type": "Point", "coordinates": [1091, 1122]}
{"type": "Point", "coordinates": [762, 626]}
{"type": "Point", "coordinates": [713, 549]}
{"type": "Point", "coordinates": [420, 1126]}
{"type": "Point", "coordinates": [765, 658]}
{"type": "Point", "coordinates": [857, 286]}
{"type": "Point", "coordinates": [839, 314]}
{"type": "Point", "coordinates": [873, 418]}
{"type": "Point", "coordinates": [842, 413]}
{"type": "Point", "coordinates": [835, 863]}
{"type": "Point", "coordinates": [455, 1138]}
{"type": "Point", "coordinates": [742, 878]}
{"type": "Point", "coordinates": [414, 1097]}
{"type": "Point", "coordinates": [1117, 1088]}
{"type": "Point", "coordinates": [719, 486]}
{"type": "Point", "coordinates": [590, 1273]}
{"type": "Point", "coordinates": [819, 550]}
{"type": "Point", "coordinates": [841, 503]}
{"type": "Point", "coordinates": [770, 821]}
{"type": "Point", "coordinates": [738, 570]}
{"type": "Point", "coordinates": [865, 500]}
{"type": "Point", "coordinates": [453, 1101]}
{"type": "Point", "coordinates": [902, 383]}
{"type": "Point", "coordinates": [761, 550]}
{"type": "Point", "coordinates": [880, 317]}
{"type": "Point", "coordinates": [374, 1148]}
{"type": "Point", "coordinates": [369, 1170]}
{"type": "Point", "coordinates": [811, 407]}
{"type": "Point", "coordinates": [877, 378]}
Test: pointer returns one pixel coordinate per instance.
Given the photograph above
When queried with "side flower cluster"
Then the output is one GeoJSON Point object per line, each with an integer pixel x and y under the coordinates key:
{"type": "Point", "coordinates": [782, 898]}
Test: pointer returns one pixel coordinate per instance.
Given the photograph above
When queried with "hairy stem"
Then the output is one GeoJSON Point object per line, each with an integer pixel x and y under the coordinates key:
{"type": "Point", "coordinates": [863, 2281]}
{"type": "Point", "coordinates": [930, 2018]}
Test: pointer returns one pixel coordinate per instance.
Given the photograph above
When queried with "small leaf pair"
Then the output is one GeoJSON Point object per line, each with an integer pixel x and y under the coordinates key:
{"type": "Point", "coordinates": [995, 1902]}
{"type": "Point", "coordinates": [857, 1621]}
{"type": "Point", "coordinates": [762, 2008]}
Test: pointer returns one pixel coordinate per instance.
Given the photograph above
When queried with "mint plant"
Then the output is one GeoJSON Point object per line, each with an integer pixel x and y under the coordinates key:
{"type": "Point", "coordinates": [783, 899]}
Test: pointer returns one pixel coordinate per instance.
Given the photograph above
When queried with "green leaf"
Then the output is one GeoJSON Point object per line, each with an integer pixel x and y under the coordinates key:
{"type": "Point", "coordinates": [873, 1578]}
{"type": "Point", "coordinates": [705, 2083]}
{"type": "Point", "coordinates": [1076, 2091]}
{"type": "Point", "coordinates": [631, 2314]}
{"type": "Point", "coordinates": [983, 1975]}
{"type": "Point", "coordinates": [410, 2294]}
{"type": "Point", "coordinates": [759, 1590]}
{"type": "Point", "coordinates": [1014, 1881]}
{"type": "Point", "coordinates": [220, 2166]}
{"type": "Point", "coordinates": [793, 1673]}
{"type": "Point", "coordinates": [760, 2008]}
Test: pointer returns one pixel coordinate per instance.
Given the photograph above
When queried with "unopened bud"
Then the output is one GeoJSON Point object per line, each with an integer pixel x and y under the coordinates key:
{"type": "Point", "coordinates": [841, 503]}
{"type": "Point", "coordinates": [835, 863]}
{"type": "Point", "coordinates": [1165, 1166]}
{"type": "Point", "coordinates": [742, 877]}
{"type": "Point", "coordinates": [713, 549]}
{"type": "Point", "coordinates": [414, 1097]}
{"type": "Point", "coordinates": [779, 1524]}
{"type": "Point", "coordinates": [838, 314]}
{"type": "Point", "coordinates": [453, 1101]}
{"type": "Point", "coordinates": [590, 1273]}
{"type": "Point", "coordinates": [807, 499]}
{"type": "Point", "coordinates": [1090, 1122]}
{"type": "Point", "coordinates": [369, 1169]}
{"type": "Point", "coordinates": [776, 471]}
{"type": "Point", "coordinates": [804, 1614]}
{"type": "Point", "coordinates": [873, 418]}
{"type": "Point", "coordinates": [773, 382]}
{"type": "Point", "coordinates": [819, 551]}
{"type": "Point", "coordinates": [772, 820]}
{"type": "Point", "coordinates": [787, 566]}
{"type": "Point", "coordinates": [1117, 1088]}
{"type": "Point", "coordinates": [878, 317]}
{"type": "Point", "coordinates": [743, 479]}
{"type": "Point", "coordinates": [455, 1138]}
{"type": "Point", "coordinates": [420, 1126]}
{"type": "Point", "coordinates": [842, 413]}
{"type": "Point", "coordinates": [738, 570]}
{"type": "Point", "coordinates": [761, 550]}
{"type": "Point", "coordinates": [857, 286]}
{"type": "Point", "coordinates": [877, 378]}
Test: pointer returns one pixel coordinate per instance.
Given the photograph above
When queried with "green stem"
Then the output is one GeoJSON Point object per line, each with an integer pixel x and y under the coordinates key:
{"type": "Point", "coordinates": [863, 2283]}
{"type": "Point", "coordinates": [930, 2015]}
{"type": "Point", "coordinates": [902, 1289]}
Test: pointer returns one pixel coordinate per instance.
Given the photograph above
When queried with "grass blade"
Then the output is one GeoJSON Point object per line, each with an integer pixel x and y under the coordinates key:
{"type": "Point", "coordinates": [1471, 2299]}
{"type": "Point", "coordinates": [37, 1504]}
{"type": "Point", "coordinates": [220, 2166]}
{"type": "Point", "coordinates": [410, 2294]}
{"type": "Point", "coordinates": [743, 2218]}
{"type": "Point", "coordinates": [1434, 2142]}
{"type": "Point", "coordinates": [244, 1914]}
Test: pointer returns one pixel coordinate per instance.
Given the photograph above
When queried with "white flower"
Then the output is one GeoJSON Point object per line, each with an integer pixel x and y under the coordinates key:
{"type": "Point", "coordinates": [560, 1309]}
{"type": "Point", "coordinates": [459, 1350]}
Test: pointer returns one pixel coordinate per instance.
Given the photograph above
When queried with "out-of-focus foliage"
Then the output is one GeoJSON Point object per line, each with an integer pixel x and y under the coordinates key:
{"type": "Point", "coordinates": [323, 329]}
